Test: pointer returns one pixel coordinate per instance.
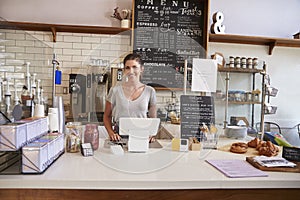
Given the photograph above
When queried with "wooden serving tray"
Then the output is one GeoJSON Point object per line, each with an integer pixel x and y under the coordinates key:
{"type": "Point", "coordinates": [275, 169]}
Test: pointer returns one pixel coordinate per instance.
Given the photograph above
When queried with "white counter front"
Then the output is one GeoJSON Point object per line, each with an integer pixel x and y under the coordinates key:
{"type": "Point", "coordinates": [161, 169]}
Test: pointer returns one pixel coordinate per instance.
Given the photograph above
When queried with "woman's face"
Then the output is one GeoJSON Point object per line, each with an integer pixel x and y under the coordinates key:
{"type": "Point", "coordinates": [133, 69]}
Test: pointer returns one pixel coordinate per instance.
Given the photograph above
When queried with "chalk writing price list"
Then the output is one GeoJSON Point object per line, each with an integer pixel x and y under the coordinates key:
{"type": "Point", "coordinates": [195, 110]}
{"type": "Point", "coordinates": [166, 32]}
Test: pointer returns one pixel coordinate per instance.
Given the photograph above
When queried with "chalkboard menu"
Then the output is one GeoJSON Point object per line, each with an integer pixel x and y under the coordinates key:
{"type": "Point", "coordinates": [291, 153]}
{"type": "Point", "coordinates": [167, 32]}
{"type": "Point", "coordinates": [194, 111]}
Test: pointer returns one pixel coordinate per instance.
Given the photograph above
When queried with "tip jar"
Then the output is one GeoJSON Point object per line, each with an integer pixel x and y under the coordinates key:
{"type": "Point", "coordinates": [91, 135]}
{"type": "Point", "coordinates": [74, 131]}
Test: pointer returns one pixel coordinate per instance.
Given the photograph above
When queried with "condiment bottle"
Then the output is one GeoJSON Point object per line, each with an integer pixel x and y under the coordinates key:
{"type": "Point", "coordinates": [91, 135]}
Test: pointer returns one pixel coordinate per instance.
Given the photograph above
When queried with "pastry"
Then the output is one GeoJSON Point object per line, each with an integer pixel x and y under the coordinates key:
{"type": "Point", "coordinates": [268, 149]}
{"type": "Point", "coordinates": [254, 143]}
{"type": "Point", "coordinates": [239, 147]}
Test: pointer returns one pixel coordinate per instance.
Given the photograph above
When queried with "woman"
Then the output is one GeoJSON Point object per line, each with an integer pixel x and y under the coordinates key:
{"type": "Point", "coordinates": [129, 99]}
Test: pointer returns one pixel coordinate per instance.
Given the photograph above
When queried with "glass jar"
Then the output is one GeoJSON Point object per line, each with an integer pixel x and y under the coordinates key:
{"type": "Point", "coordinates": [249, 63]}
{"type": "Point", "coordinates": [255, 63]}
{"type": "Point", "coordinates": [237, 62]}
{"type": "Point", "coordinates": [244, 62]}
{"type": "Point", "coordinates": [231, 61]}
{"type": "Point", "coordinates": [73, 136]}
{"type": "Point", "coordinates": [91, 135]}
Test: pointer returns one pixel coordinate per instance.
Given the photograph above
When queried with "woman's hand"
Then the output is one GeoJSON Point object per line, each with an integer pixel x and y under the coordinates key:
{"type": "Point", "coordinates": [152, 139]}
{"type": "Point", "coordinates": [114, 137]}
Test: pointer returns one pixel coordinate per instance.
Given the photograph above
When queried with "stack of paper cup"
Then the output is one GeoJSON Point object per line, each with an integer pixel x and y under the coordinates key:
{"type": "Point", "coordinates": [59, 104]}
{"type": "Point", "coordinates": [53, 119]}
{"type": "Point", "coordinates": [39, 110]}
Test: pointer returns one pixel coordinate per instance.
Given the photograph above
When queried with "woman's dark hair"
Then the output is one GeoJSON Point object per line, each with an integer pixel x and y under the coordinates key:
{"type": "Point", "coordinates": [133, 56]}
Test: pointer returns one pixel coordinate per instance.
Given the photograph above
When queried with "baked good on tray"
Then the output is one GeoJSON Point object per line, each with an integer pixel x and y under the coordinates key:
{"type": "Point", "coordinates": [239, 147]}
{"type": "Point", "coordinates": [254, 143]}
{"type": "Point", "coordinates": [266, 148]}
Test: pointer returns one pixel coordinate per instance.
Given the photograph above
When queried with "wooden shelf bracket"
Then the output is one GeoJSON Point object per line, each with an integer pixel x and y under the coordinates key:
{"type": "Point", "coordinates": [53, 30]}
{"type": "Point", "coordinates": [271, 47]}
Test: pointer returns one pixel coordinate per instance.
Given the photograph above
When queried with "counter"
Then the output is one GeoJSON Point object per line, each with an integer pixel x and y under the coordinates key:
{"type": "Point", "coordinates": [157, 174]}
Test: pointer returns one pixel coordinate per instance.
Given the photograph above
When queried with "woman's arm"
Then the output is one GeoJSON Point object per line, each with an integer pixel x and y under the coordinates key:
{"type": "Point", "coordinates": [152, 111]}
{"type": "Point", "coordinates": [107, 118]}
{"type": "Point", "coordinates": [152, 114]}
{"type": "Point", "coordinates": [152, 104]}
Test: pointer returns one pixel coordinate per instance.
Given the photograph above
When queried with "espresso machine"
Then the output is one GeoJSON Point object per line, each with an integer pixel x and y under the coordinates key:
{"type": "Point", "coordinates": [77, 90]}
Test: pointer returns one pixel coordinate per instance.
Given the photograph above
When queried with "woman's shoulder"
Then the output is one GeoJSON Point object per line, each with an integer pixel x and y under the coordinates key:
{"type": "Point", "coordinates": [113, 91]}
{"type": "Point", "coordinates": [115, 88]}
{"type": "Point", "coordinates": [149, 89]}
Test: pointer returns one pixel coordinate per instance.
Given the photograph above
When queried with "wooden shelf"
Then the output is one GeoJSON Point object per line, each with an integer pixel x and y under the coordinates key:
{"type": "Point", "coordinates": [238, 102]}
{"type": "Point", "coordinates": [54, 28]}
{"type": "Point", "coordinates": [255, 40]}
{"type": "Point", "coordinates": [243, 102]}
{"type": "Point", "coordinates": [223, 38]}
{"type": "Point", "coordinates": [239, 70]}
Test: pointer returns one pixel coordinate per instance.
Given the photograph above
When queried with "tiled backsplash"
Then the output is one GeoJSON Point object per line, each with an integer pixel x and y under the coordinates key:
{"type": "Point", "coordinates": [74, 52]}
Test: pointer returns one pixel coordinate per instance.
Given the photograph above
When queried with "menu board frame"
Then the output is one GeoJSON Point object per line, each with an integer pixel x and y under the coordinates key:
{"type": "Point", "coordinates": [168, 69]}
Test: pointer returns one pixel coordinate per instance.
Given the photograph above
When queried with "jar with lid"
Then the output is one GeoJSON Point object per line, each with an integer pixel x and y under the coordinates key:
{"type": "Point", "coordinates": [249, 63]}
{"type": "Point", "coordinates": [255, 63]}
{"type": "Point", "coordinates": [237, 62]}
{"type": "Point", "coordinates": [74, 132]}
{"type": "Point", "coordinates": [249, 96]}
{"type": "Point", "coordinates": [91, 135]}
{"type": "Point", "coordinates": [244, 62]}
{"type": "Point", "coordinates": [231, 61]}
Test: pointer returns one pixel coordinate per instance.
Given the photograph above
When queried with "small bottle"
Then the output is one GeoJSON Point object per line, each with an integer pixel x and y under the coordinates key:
{"type": "Point", "coordinates": [57, 76]}
{"type": "Point", "coordinates": [91, 135]}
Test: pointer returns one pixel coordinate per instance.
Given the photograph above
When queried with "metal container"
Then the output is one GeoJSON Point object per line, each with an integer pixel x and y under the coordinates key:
{"type": "Point", "coordinates": [236, 131]}
{"type": "Point", "coordinates": [31, 129]}
{"type": "Point", "coordinates": [41, 153]}
{"type": "Point", "coordinates": [35, 157]}
{"type": "Point", "coordinates": [12, 136]}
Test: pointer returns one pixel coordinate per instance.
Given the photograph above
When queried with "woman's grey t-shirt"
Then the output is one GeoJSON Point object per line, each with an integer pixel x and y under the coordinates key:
{"type": "Point", "coordinates": [123, 107]}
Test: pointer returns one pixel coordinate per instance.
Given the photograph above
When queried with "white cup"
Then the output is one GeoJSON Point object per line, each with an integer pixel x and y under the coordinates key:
{"type": "Point", "coordinates": [53, 122]}
{"type": "Point", "coordinates": [53, 119]}
{"type": "Point", "coordinates": [53, 110]}
{"type": "Point", "coordinates": [39, 110]}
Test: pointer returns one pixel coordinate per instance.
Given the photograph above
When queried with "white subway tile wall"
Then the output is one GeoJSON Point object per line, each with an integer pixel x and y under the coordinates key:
{"type": "Point", "coordinates": [74, 52]}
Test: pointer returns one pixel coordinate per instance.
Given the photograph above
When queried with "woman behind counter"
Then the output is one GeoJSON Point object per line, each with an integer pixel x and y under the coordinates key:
{"type": "Point", "coordinates": [129, 99]}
